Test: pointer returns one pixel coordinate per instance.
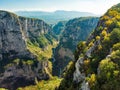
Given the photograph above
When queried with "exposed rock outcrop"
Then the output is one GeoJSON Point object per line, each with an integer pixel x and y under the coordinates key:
{"type": "Point", "coordinates": [12, 41]}
{"type": "Point", "coordinates": [23, 75]}
{"type": "Point", "coordinates": [15, 32]}
{"type": "Point", "coordinates": [78, 76]}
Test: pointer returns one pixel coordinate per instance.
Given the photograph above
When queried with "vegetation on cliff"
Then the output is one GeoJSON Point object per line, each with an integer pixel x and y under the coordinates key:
{"type": "Point", "coordinates": [26, 50]}
{"type": "Point", "coordinates": [97, 60]}
{"type": "Point", "coordinates": [51, 84]}
{"type": "Point", "coordinates": [100, 56]}
{"type": "Point", "coordinates": [75, 30]}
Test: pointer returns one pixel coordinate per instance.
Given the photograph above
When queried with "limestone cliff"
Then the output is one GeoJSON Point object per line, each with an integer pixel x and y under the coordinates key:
{"type": "Point", "coordinates": [20, 37]}
{"type": "Point", "coordinates": [75, 30]}
{"type": "Point", "coordinates": [11, 38]}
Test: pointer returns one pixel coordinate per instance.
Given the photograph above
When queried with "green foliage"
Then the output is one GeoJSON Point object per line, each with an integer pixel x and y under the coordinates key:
{"type": "Point", "coordinates": [59, 28]}
{"type": "Point", "coordinates": [81, 49]}
{"type": "Point", "coordinates": [92, 80]}
{"type": "Point", "coordinates": [49, 38]}
{"type": "Point", "coordinates": [3, 89]}
{"type": "Point", "coordinates": [16, 61]}
{"type": "Point", "coordinates": [20, 62]}
{"type": "Point", "coordinates": [67, 82]}
{"type": "Point", "coordinates": [115, 55]}
{"type": "Point", "coordinates": [51, 84]}
{"type": "Point", "coordinates": [112, 13]}
{"type": "Point", "coordinates": [68, 69]}
{"type": "Point", "coordinates": [116, 47]}
{"type": "Point", "coordinates": [42, 41]}
{"type": "Point", "coordinates": [104, 33]}
{"type": "Point", "coordinates": [109, 72]}
{"type": "Point", "coordinates": [41, 53]}
{"type": "Point", "coordinates": [105, 17]}
{"type": "Point", "coordinates": [102, 68]}
{"type": "Point", "coordinates": [115, 35]}
{"type": "Point", "coordinates": [107, 69]}
{"type": "Point", "coordinates": [28, 62]}
{"type": "Point", "coordinates": [97, 37]}
{"type": "Point", "coordinates": [75, 30]}
{"type": "Point", "coordinates": [108, 22]}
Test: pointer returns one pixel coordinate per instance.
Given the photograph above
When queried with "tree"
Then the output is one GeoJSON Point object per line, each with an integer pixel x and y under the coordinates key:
{"type": "Point", "coordinates": [107, 68]}
{"type": "Point", "coordinates": [92, 80]}
{"type": "Point", "coordinates": [104, 33]}
{"type": "Point", "coordinates": [115, 35]}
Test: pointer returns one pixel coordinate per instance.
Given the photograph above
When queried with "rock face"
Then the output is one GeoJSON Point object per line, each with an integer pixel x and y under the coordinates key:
{"type": "Point", "coordinates": [75, 30]}
{"type": "Point", "coordinates": [78, 76]}
{"type": "Point", "coordinates": [33, 27]}
{"type": "Point", "coordinates": [16, 75]}
{"type": "Point", "coordinates": [58, 29]}
{"type": "Point", "coordinates": [15, 32]}
{"type": "Point", "coordinates": [11, 38]}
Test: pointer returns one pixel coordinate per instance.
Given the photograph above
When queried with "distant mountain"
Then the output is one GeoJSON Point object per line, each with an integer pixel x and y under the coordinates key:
{"type": "Point", "coordinates": [54, 17]}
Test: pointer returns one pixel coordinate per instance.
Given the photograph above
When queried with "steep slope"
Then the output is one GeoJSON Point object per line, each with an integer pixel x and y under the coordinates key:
{"type": "Point", "coordinates": [25, 47]}
{"type": "Point", "coordinates": [74, 31]}
{"type": "Point", "coordinates": [54, 17]}
{"type": "Point", "coordinates": [97, 65]}
{"type": "Point", "coordinates": [58, 29]}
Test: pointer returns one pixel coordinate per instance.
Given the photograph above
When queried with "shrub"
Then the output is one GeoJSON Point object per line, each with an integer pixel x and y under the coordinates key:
{"type": "Point", "coordinates": [107, 68]}
{"type": "Point", "coordinates": [108, 22]}
{"type": "Point", "coordinates": [92, 80]}
{"type": "Point", "coordinates": [104, 33]}
{"type": "Point", "coordinates": [97, 37]}
{"type": "Point", "coordinates": [115, 35]}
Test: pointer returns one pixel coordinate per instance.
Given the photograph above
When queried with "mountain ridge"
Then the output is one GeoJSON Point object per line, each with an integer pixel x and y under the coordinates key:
{"type": "Point", "coordinates": [55, 16]}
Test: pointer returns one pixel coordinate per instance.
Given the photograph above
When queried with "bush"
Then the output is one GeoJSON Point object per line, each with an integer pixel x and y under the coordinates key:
{"type": "Point", "coordinates": [107, 69]}
{"type": "Point", "coordinates": [116, 46]}
{"type": "Point", "coordinates": [115, 36]}
{"type": "Point", "coordinates": [92, 80]}
{"type": "Point", "coordinates": [97, 37]}
{"type": "Point", "coordinates": [104, 33]}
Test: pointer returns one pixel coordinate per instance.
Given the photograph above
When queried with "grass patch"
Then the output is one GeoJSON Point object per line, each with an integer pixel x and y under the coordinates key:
{"type": "Point", "coordinates": [51, 84]}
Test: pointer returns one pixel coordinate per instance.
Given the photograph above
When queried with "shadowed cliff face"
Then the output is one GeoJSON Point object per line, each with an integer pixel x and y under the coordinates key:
{"type": "Point", "coordinates": [33, 27]}
{"type": "Point", "coordinates": [74, 31]}
{"type": "Point", "coordinates": [11, 38]}
{"type": "Point", "coordinates": [18, 65]}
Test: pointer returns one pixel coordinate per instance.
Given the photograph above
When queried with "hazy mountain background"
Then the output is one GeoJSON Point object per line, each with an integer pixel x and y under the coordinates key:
{"type": "Point", "coordinates": [54, 17]}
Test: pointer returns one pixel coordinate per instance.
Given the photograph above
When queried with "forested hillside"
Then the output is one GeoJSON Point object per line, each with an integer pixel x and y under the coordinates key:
{"type": "Point", "coordinates": [97, 65]}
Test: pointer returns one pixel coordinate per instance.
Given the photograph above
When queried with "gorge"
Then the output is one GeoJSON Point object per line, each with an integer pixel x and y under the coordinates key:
{"type": "Point", "coordinates": [78, 54]}
{"type": "Point", "coordinates": [28, 48]}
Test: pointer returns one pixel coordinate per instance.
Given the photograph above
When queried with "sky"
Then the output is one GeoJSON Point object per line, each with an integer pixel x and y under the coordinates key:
{"type": "Point", "coordinates": [93, 6]}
